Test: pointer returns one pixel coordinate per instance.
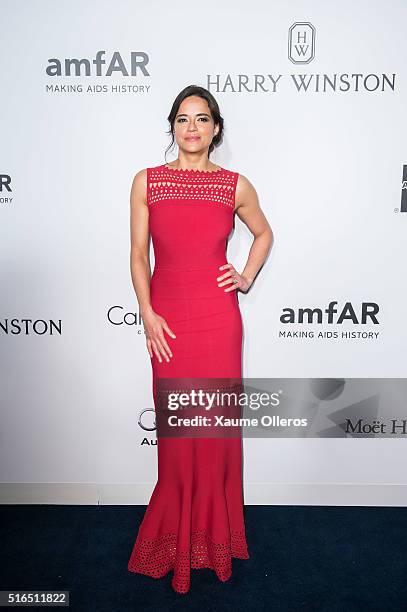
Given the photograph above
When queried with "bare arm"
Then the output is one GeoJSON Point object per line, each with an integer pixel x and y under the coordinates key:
{"type": "Point", "coordinates": [154, 324]}
{"type": "Point", "coordinates": [139, 236]}
{"type": "Point", "coordinates": [248, 210]}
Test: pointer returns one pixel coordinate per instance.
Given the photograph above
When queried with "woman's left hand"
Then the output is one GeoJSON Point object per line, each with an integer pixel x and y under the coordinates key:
{"type": "Point", "coordinates": [232, 276]}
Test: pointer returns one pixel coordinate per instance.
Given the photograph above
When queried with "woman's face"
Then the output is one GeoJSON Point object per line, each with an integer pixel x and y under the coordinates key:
{"type": "Point", "coordinates": [194, 127]}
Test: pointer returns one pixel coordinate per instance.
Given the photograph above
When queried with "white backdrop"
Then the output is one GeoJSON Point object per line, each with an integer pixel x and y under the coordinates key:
{"type": "Point", "coordinates": [326, 164]}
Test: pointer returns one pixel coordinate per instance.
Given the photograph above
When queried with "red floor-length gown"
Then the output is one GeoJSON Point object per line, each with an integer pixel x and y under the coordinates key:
{"type": "Point", "coordinates": [195, 515]}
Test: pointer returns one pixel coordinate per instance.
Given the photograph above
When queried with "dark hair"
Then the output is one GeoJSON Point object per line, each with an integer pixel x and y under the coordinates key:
{"type": "Point", "coordinates": [195, 90]}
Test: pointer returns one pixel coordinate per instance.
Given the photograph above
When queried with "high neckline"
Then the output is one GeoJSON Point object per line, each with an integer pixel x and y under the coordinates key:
{"type": "Point", "coordinates": [191, 171]}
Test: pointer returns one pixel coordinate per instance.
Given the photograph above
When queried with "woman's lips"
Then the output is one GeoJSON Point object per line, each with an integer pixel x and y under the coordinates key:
{"type": "Point", "coordinates": [192, 138]}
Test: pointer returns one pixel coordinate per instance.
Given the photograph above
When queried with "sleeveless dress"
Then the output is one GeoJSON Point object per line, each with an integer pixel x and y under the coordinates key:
{"type": "Point", "coordinates": [195, 515]}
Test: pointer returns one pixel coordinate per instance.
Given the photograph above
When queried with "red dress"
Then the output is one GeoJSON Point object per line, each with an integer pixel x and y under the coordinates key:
{"type": "Point", "coordinates": [195, 515]}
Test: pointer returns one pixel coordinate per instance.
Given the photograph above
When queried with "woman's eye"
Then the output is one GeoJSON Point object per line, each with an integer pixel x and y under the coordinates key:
{"type": "Point", "coordinates": [205, 119]}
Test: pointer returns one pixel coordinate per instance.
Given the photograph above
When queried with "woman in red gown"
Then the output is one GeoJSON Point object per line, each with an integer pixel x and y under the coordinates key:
{"type": "Point", "coordinates": [193, 326]}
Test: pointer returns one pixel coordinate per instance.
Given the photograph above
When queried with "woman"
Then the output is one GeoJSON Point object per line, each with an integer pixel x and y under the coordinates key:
{"type": "Point", "coordinates": [193, 329]}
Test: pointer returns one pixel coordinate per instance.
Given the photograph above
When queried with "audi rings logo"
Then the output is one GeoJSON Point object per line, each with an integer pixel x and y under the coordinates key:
{"type": "Point", "coordinates": [146, 419]}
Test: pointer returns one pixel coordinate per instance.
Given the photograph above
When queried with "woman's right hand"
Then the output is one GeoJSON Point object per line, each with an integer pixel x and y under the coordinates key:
{"type": "Point", "coordinates": [154, 326]}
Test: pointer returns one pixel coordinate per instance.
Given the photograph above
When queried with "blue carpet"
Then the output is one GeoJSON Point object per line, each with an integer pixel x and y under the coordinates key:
{"type": "Point", "coordinates": [317, 558]}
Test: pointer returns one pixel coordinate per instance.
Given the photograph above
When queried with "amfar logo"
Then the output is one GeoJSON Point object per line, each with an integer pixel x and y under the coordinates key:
{"type": "Point", "coordinates": [5, 182]}
{"type": "Point", "coordinates": [65, 67]}
{"type": "Point", "coordinates": [403, 207]}
{"type": "Point", "coordinates": [366, 314]}
{"type": "Point", "coordinates": [301, 43]}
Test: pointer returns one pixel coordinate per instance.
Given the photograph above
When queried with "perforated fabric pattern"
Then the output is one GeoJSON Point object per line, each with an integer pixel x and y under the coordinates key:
{"type": "Point", "coordinates": [217, 187]}
{"type": "Point", "coordinates": [157, 557]}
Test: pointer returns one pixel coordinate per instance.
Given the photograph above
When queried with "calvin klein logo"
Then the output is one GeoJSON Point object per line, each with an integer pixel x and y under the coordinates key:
{"type": "Point", "coordinates": [301, 42]}
{"type": "Point", "coordinates": [117, 315]}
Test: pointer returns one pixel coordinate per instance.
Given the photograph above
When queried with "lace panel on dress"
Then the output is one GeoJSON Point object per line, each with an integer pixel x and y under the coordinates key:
{"type": "Point", "coordinates": [157, 557]}
{"type": "Point", "coordinates": [217, 187]}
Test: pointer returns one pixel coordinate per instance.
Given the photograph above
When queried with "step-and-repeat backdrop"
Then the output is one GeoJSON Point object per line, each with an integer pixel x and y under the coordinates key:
{"type": "Point", "coordinates": [314, 100]}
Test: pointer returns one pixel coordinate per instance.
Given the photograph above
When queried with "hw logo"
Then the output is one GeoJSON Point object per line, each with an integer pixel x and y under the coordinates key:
{"type": "Point", "coordinates": [301, 43]}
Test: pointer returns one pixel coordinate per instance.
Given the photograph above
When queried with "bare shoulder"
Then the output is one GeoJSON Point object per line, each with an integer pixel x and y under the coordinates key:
{"type": "Point", "coordinates": [139, 187]}
{"type": "Point", "coordinates": [140, 178]}
{"type": "Point", "coordinates": [246, 195]}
